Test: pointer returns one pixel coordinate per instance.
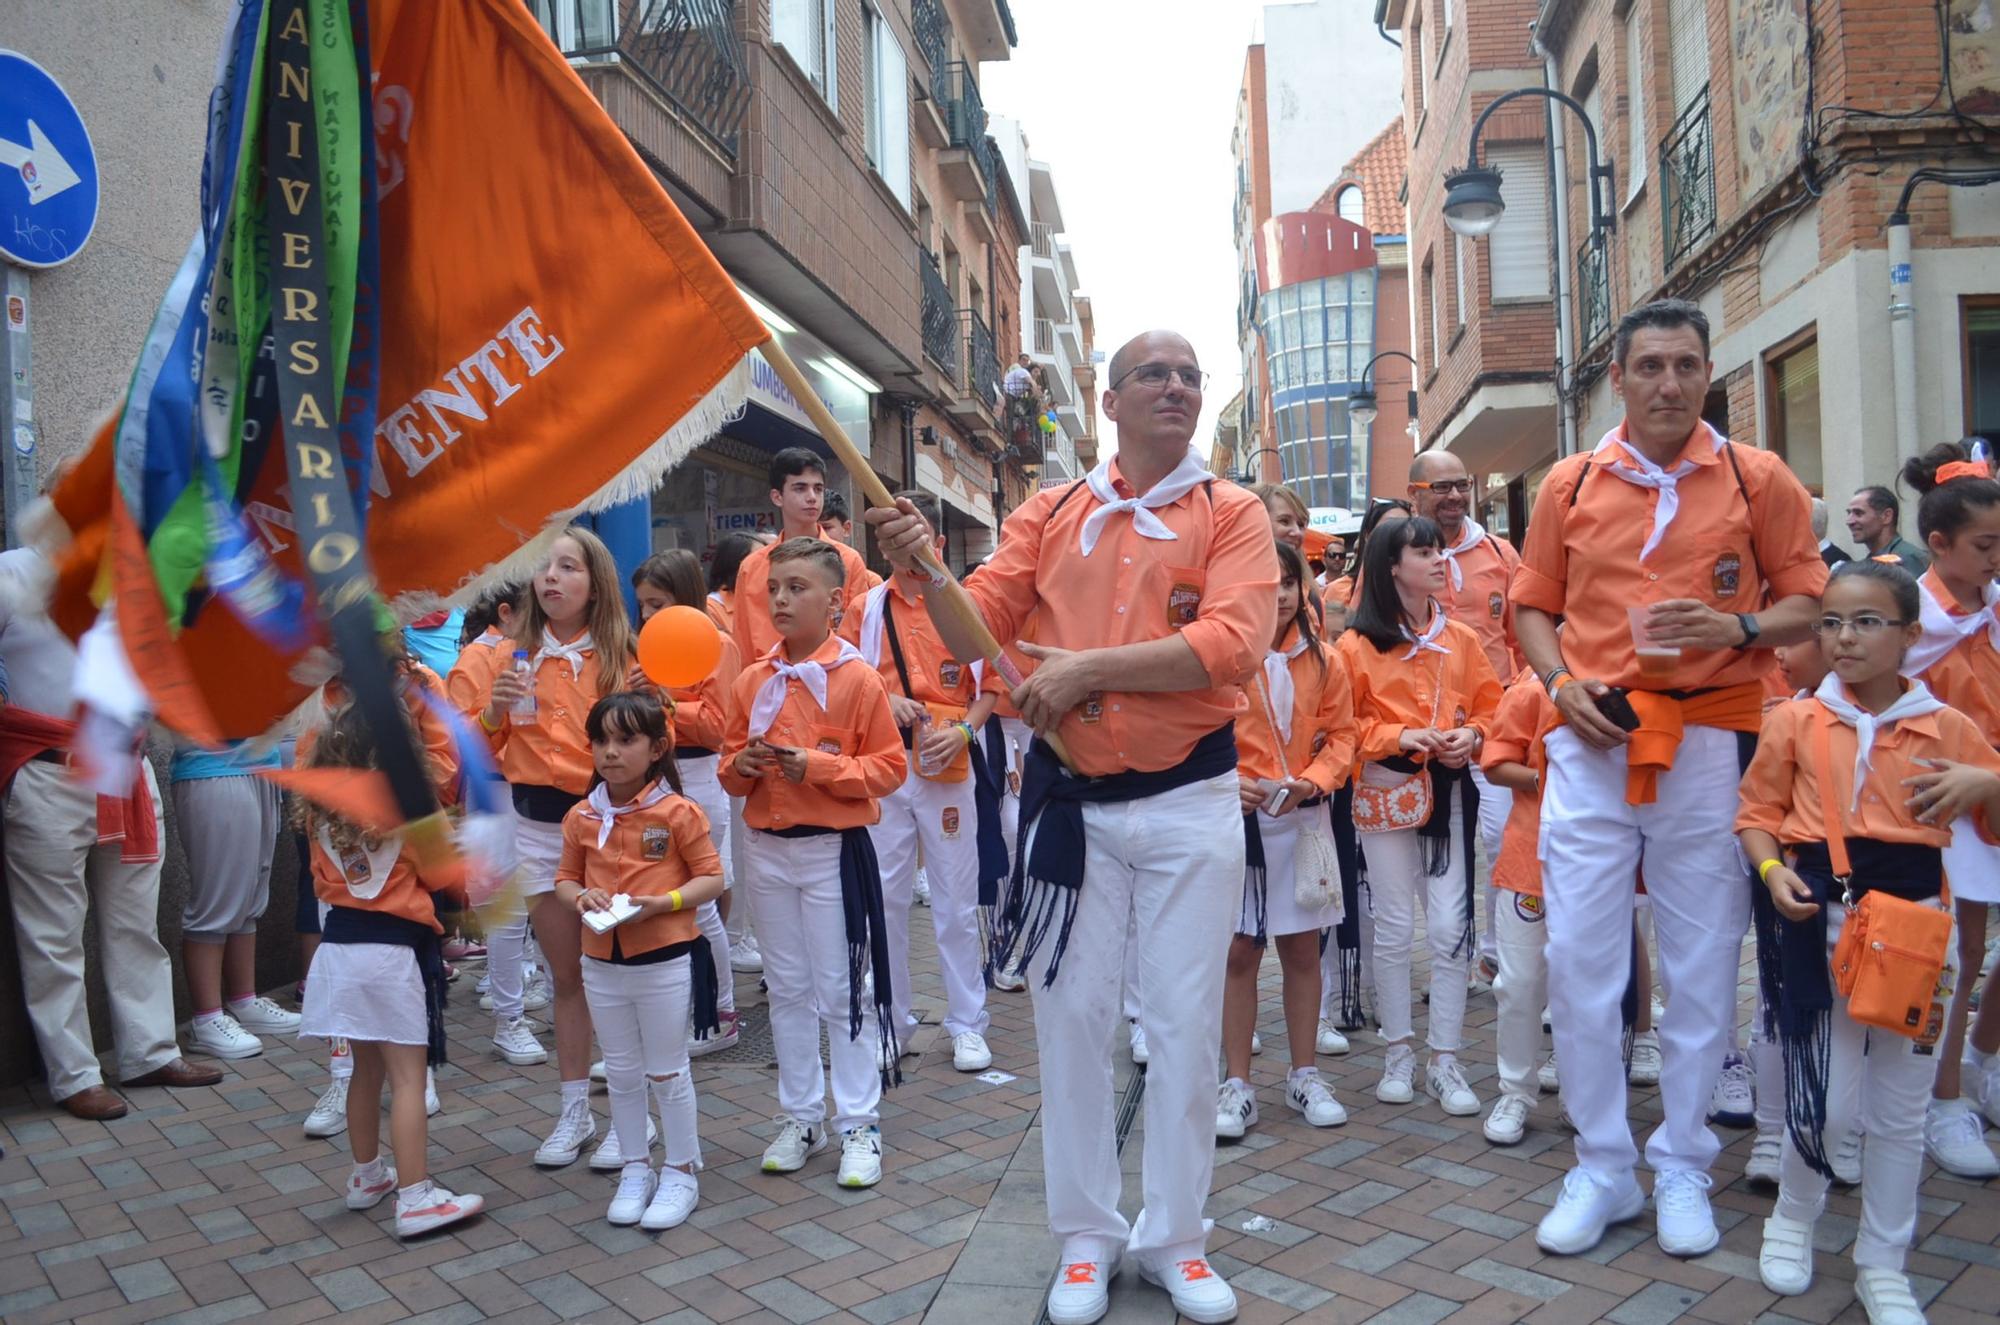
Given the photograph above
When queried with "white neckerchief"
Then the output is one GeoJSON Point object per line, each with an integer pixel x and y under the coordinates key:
{"type": "Point", "coordinates": [1186, 476]}
{"type": "Point", "coordinates": [1649, 475]}
{"type": "Point", "coordinates": [571, 653]}
{"type": "Point", "coordinates": [1944, 631]}
{"type": "Point", "coordinates": [1915, 702]}
{"type": "Point", "coordinates": [607, 815]}
{"type": "Point", "coordinates": [1427, 642]}
{"type": "Point", "coordinates": [1278, 685]}
{"type": "Point", "coordinates": [874, 621]}
{"type": "Point", "coordinates": [1469, 538]}
{"type": "Point", "coordinates": [715, 597]}
{"type": "Point", "coordinates": [811, 674]}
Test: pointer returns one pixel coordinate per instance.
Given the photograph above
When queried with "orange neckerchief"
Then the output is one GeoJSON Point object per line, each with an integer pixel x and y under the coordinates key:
{"type": "Point", "coordinates": [1662, 721]}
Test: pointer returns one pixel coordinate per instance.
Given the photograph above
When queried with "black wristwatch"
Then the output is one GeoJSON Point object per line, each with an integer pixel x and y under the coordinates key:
{"type": "Point", "coordinates": [1751, 630]}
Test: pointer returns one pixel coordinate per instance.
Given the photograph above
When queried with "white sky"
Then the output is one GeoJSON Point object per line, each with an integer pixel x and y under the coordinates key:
{"type": "Point", "coordinates": [1131, 103]}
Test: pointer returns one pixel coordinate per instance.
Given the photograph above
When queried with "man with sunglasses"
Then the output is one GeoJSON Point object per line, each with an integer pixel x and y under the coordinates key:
{"type": "Point", "coordinates": [1152, 589]}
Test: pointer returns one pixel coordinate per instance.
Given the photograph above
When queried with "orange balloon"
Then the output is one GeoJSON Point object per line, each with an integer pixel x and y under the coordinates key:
{"type": "Point", "coordinates": [680, 646]}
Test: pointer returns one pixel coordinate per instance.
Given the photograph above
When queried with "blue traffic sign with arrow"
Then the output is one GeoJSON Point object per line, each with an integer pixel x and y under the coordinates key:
{"type": "Point", "coordinates": [48, 169]}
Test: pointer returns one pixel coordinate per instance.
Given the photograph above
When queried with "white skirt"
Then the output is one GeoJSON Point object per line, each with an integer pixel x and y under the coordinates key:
{"type": "Point", "coordinates": [538, 847]}
{"type": "Point", "coordinates": [365, 991]}
{"type": "Point", "coordinates": [1282, 912]}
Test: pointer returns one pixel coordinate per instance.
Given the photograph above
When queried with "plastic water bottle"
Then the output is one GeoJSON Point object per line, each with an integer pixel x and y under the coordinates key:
{"type": "Point", "coordinates": [927, 766]}
{"type": "Point", "coordinates": [523, 710]}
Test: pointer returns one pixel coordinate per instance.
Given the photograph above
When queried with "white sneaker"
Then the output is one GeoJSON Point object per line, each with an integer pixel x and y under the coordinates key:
{"type": "Point", "coordinates": [1982, 1086]}
{"type": "Point", "coordinates": [673, 1201]}
{"type": "Point", "coordinates": [514, 1040]}
{"type": "Point", "coordinates": [1548, 1077]}
{"type": "Point", "coordinates": [1314, 1098]}
{"type": "Point", "coordinates": [796, 1142]}
{"type": "Point", "coordinates": [1256, 1044]}
{"type": "Point", "coordinates": [635, 1192]}
{"type": "Point", "coordinates": [1733, 1103]}
{"type": "Point", "coordinates": [1081, 1293]}
{"type": "Point", "coordinates": [1846, 1160]}
{"type": "Point", "coordinates": [1009, 982]}
{"type": "Point", "coordinates": [434, 1208]}
{"type": "Point", "coordinates": [744, 954]}
{"type": "Point", "coordinates": [537, 994]}
{"type": "Point", "coordinates": [219, 1036]}
{"type": "Point", "coordinates": [569, 1136]}
{"type": "Point", "coordinates": [1199, 1293]}
{"type": "Point", "coordinates": [329, 1116]}
{"type": "Point", "coordinates": [1585, 1209]}
{"type": "Point", "coordinates": [921, 893]}
{"type": "Point", "coordinates": [1235, 1110]}
{"type": "Point", "coordinates": [1330, 1041]}
{"type": "Point", "coordinates": [1885, 1295]}
{"type": "Point", "coordinates": [1645, 1069]}
{"type": "Point", "coordinates": [598, 1074]}
{"type": "Point", "coordinates": [1508, 1122]}
{"type": "Point", "coordinates": [1139, 1051]}
{"type": "Point", "coordinates": [861, 1156]}
{"type": "Point", "coordinates": [725, 1037]}
{"type": "Point", "coordinates": [1399, 1070]}
{"type": "Point", "coordinates": [261, 1016]}
{"type": "Point", "coordinates": [432, 1104]}
{"type": "Point", "coordinates": [1445, 1083]}
{"type": "Point", "coordinates": [1955, 1137]}
{"type": "Point", "coordinates": [969, 1052]}
{"type": "Point", "coordinates": [1766, 1165]}
{"type": "Point", "coordinates": [1680, 1207]}
{"type": "Point", "coordinates": [1785, 1262]}
{"type": "Point", "coordinates": [608, 1158]}
{"type": "Point", "coordinates": [365, 1195]}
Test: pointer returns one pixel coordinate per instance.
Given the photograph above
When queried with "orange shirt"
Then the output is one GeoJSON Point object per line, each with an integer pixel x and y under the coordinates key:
{"type": "Point", "coordinates": [1439, 690]}
{"type": "Point", "coordinates": [1487, 568]}
{"type": "Point", "coordinates": [1967, 678]}
{"type": "Point", "coordinates": [553, 750]}
{"type": "Point", "coordinates": [721, 608]}
{"type": "Point", "coordinates": [937, 680]}
{"type": "Point", "coordinates": [1524, 715]}
{"type": "Point", "coordinates": [752, 609]}
{"type": "Point", "coordinates": [1582, 561]}
{"type": "Point", "coordinates": [1782, 789]}
{"type": "Point", "coordinates": [1321, 748]}
{"type": "Point", "coordinates": [854, 753]}
{"type": "Point", "coordinates": [650, 853]}
{"type": "Point", "coordinates": [701, 711]}
{"type": "Point", "coordinates": [470, 684]}
{"type": "Point", "coordinates": [1215, 584]}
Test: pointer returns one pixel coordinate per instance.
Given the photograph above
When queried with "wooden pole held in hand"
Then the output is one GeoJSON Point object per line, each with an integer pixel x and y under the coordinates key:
{"type": "Point", "coordinates": [955, 598]}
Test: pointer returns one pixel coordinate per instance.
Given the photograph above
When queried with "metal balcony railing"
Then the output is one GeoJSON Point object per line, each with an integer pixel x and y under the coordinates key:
{"type": "Point", "coordinates": [965, 120]}
{"type": "Point", "coordinates": [940, 318]}
{"type": "Point", "coordinates": [685, 50]}
{"type": "Point", "coordinates": [1593, 293]}
{"type": "Point", "coordinates": [982, 362]}
{"type": "Point", "coordinates": [1043, 240]}
{"type": "Point", "coordinates": [1045, 336]}
{"type": "Point", "coordinates": [1687, 182]}
{"type": "Point", "coordinates": [933, 32]}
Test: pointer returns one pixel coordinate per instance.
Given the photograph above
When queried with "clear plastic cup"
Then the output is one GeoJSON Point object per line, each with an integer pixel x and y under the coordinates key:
{"type": "Point", "coordinates": [1657, 662]}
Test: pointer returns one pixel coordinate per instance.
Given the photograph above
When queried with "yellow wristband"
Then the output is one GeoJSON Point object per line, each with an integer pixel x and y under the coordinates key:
{"type": "Point", "coordinates": [675, 898]}
{"type": "Point", "coordinates": [1764, 869]}
{"type": "Point", "coordinates": [488, 727]}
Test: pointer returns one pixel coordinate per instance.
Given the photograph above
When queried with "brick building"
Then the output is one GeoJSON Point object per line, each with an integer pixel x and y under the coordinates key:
{"type": "Point", "coordinates": [1760, 147]}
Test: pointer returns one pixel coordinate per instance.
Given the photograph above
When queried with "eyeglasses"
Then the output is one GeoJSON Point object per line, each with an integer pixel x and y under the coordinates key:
{"type": "Point", "coordinates": [1157, 375]}
{"type": "Point", "coordinates": [1866, 626]}
{"type": "Point", "coordinates": [1461, 487]}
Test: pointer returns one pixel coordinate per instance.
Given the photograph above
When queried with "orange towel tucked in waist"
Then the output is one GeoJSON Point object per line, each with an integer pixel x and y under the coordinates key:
{"type": "Point", "coordinates": [1663, 718]}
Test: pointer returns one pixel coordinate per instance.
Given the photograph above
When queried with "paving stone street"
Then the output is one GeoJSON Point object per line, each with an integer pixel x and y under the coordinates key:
{"type": "Point", "coordinates": [211, 1205]}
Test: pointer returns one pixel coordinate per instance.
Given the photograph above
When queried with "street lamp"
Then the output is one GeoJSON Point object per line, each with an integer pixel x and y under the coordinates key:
{"type": "Point", "coordinates": [1361, 402]}
{"type": "Point", "coordinates": [1472, 201]}
{"type": "Point", "coordinates": [1247, 474]}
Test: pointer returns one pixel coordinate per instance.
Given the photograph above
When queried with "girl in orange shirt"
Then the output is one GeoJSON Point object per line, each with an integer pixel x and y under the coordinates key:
{"type": "Point", "coordinates": [637, 838]}
{"type": "Point", "coordinates": [1958, 657]}
{"type": "Point", "coordinates": [578, 648]}
{"type": "Point", "coordinates": [1424, 696]}
{"type": "Point", "coordinates": [1899, 776]}
{"type": "Point", "coordinates": [700, 715]}
{"type": "Point", "coordinates": [1294, 747]}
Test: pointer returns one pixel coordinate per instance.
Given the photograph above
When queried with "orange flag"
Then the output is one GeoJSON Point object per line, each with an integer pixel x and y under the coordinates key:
{"type": "Point", "coordinates": [555, 337]}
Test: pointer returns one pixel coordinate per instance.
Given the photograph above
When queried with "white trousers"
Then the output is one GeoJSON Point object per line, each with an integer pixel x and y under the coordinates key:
{"type": "Point", "coordinates": [740, 906]}
{"type": "Point", "coordinates": [1396, 880]}
{"type": "Point", "coordinates": [538, 847]}
{"type": "Point", "coordinates": [1593, 843]}
{"type": "Point", "coordinates": [802, 931]}
{"type": "Point", "coordinates": [641, 1016]}
{"type": "Point", "coordinates": [1162, 876]}
{"type": "Point", "coordinates": [943, 819]}
{"type": "Point", "coordinates": [1519, 931]}
{"type": "Point", "coordinates": [699, 781]}
{"type": "Point", "coordinates": [1879, 1080]}
{"type": "Point", "coordinates": [56, 874]}
{"type": "Point", "coordinates": [1495, 804]}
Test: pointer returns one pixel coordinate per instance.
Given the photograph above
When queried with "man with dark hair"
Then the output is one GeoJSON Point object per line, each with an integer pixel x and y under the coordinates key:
{"type": "Point", "coordinates": [1667, 518]}
{"type": "Point", "coordinates": [798, 490]}
{"type": "Point", "coordinates": [836, 525]}
{"type": "Point", "coordinates": [1871, 518]}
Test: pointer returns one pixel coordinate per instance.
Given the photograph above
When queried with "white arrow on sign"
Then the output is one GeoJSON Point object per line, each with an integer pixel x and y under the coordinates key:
{"type": "Point", "coordinates": [42, 167]}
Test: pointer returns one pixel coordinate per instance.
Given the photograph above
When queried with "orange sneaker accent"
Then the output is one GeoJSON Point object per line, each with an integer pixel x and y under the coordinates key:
{"type": "Point", "coordinates": [447, 1208]}
{"type": "Point", "coordinates": [1194, 1270]}
{"type": "Point", "coordinates": [1080, 1272]}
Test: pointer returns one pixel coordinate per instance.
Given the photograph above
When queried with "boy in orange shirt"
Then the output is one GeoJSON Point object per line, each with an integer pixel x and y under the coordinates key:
{"type": "Point", "coordinates": [811, 746]}
{"type": "Point", "coordinates": [798, 490]}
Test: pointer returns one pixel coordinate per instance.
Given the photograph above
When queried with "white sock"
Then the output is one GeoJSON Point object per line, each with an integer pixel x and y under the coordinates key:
{"type": "Point", "coordinates": [576, 1093]}
{"type": "Point", "coordinates": [370, 1172]}
{"type": "Point", "coordinates": [1975, 1059]}
{"type": "Point", "coordinates": [342, 1062]}
{"type": "Point", "coordinates": [208, 1018]}
{"type": "Point", "coordinates": [242, 1000]}
{"type": "Point", "coordinates": [1299, 1074]}
{"type": "Point", "coordinates": [414, 1195]}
